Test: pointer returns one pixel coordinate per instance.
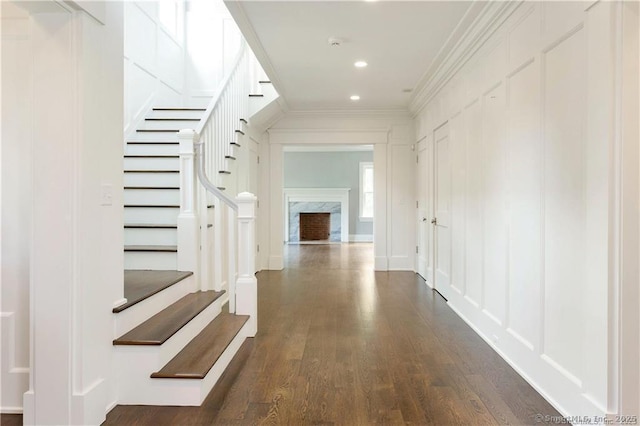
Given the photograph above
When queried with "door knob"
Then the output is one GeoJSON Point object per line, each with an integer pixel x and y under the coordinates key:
{"type": "Point", "coordinates": [424, 219]}
{"type": "Point", "coordinates": [434, 221]}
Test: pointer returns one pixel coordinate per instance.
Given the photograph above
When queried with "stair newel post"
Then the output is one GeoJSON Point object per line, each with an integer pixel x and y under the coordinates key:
{"type": "Point", "coordinates": [188, 221]}
{"type": "Point", "coordinates": [247, 285]}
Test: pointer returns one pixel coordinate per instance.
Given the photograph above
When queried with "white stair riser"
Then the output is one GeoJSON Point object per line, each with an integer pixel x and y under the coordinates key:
{"type": "Point", "coordinates": [152, 179]}
{"type": "Point", "coordinates": [173, 124]}
{"type": "Point", "coordinates": [151, 149]}
{"type": "Point", "coordinates": [154, 136]}
{"type": "Point", "coordinates": [175, 114]}
{"type": "Point", "coordinates": [162, 216]}
{"type": "Point", "coordinates": [150, 260]}
{"type": "Point", "coordinates": [137, 388]}
{"type": "Point", "coordinates": [145, 309]}
{"type": "Point", "coordinates": [151, 164]}
{"type": "Point", "coordinates": [151, 196]}
{"type": "Point", "coordinates": [150, 236]}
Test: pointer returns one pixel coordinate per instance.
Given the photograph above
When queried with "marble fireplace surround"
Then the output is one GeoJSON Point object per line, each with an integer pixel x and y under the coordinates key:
{"type": "Point", "coordinates": [319, 195]}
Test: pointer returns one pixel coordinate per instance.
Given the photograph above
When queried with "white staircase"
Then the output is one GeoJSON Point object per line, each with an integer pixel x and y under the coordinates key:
{"type": "Point", "coordinates": [152, 188]}
{"type": "Point", "coordinates": [175, 336]}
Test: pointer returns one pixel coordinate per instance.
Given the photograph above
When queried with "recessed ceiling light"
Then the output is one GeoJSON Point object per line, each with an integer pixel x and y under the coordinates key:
{"type": "Point", "coordinates": [355, 98]}
{"type": "Point", "coordinates": [360, 64]}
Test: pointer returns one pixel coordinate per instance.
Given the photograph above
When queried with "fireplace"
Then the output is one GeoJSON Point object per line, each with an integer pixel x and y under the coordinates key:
{"type": "Point", "coordinates": [317, 200]}
{"type": "Point", "coordinates": [315, 226]}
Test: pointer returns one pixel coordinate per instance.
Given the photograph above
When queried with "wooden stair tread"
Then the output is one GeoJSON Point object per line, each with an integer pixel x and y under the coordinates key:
{"type": "Point", "coordinates": [264, 82]}
{"type": "Point", "coordinates": [256, 95]}
{"type": "Point", "coordinates": [169, 249]}
{"type": "Point", "coordinates": [160, 327]}
{"type": "Point", "coordinates": [197, 358]}
{"type": "Point", "coordinates": [141, 284]}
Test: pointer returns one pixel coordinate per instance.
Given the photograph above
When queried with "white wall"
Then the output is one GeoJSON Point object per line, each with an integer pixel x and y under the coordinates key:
{"type": "Point", "coordinates": [531, 136]}
{"type": "Point", "coordinates": [175, 62]}
{"type": "Point", "coordinates": [16, 206]}
{"type": "Point", "coordinates": [62, 261]}
{"type": "Point", "coordinates": [212, 43]}
{"type": "Point", "coordinates": [392, 137]}
{"type": "Point", "coordinates": [154, 60]}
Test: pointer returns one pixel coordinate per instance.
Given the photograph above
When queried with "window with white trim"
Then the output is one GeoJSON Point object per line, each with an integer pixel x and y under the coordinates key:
{"type": "Point", "coordinates": [366, 191]}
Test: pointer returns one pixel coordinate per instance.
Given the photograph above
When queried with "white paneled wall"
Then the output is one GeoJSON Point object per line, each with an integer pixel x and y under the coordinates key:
{"type": "Point", "coordinates": [176, 54]}
{"type": "Point", "coordinates": [153, 61]}
{"type": "Point", "coordinates": [16, 206]}
{"type": "Point", "coordinates": [530, 119]}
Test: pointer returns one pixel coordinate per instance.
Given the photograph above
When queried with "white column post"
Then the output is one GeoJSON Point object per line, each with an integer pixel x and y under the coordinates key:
{"type": "Point", "coordinates": [247, 284]}
{"type": "Point", "coordinates": [188, 223]}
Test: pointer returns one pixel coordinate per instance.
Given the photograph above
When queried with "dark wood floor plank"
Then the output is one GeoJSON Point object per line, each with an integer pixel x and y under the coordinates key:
{"type": "Point", "coordinates": [11, 419]}
{"type": "Point", "coordinates": [160, 327]}
{"type": "Point", "coordinates": [197, 358]}
{"type": "Point", "coordinates": [139, 285]}
{"type": "Point", "coordinates": [341, 344]}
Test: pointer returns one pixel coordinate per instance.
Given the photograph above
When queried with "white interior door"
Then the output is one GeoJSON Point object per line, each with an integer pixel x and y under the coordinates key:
{"type": "Point", "coordinates": [423, 213]}
{"type": "Point", "coordinates": [442, 218]}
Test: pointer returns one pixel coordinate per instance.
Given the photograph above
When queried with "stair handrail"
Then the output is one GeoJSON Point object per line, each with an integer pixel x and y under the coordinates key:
{"type": "Point", "coordinates": [204, 180]}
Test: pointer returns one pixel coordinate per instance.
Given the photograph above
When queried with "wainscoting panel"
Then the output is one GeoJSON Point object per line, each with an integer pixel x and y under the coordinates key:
{"type": "Point", "coordinates": [524, 179]}
{"type": "Point", "coordinates": [531, 120]}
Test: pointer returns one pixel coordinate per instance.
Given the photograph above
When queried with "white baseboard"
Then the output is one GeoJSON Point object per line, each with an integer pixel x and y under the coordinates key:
{"type": "Point", "coordinates": [381, 263]}
{"type": "Point", "coordinates": [361, 238]}
{"type": "Point", "coordinates": [276, 263]}
{"type": "Point", "coordinates": [11, 410]}
{"type": "Point", "coordinates": [29, 408]}
{"type": "Point", "coordinates": [87, 407]}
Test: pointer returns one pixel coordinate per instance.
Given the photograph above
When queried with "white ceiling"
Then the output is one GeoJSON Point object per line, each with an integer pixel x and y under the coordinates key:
{"type": "Point", "coordinates": [400, 40]}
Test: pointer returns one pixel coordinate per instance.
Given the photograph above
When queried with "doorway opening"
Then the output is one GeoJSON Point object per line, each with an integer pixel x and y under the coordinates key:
{"type": "Point", "coordinates": [327, 181]}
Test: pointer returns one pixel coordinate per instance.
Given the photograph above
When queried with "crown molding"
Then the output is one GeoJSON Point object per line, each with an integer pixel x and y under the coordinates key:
{"type": "Point", "coordinates": [478, 24]}
{"type": "Point", "coordinates": [340, 113]}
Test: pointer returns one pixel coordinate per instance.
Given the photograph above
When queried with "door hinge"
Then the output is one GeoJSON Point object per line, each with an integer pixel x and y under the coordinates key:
{"type": "Point", "coordinates": [258, 248]}
{"type": "Point", "coordinates": [258, 159]}
{"type": "Point", "coordinates": [416, 249]}
{"type": "Point", "coordinates": [416, 204]}
{"type": "Point", "coordinates": [257, 204]}
{"type": "Point", "coordinates": [417, 159]}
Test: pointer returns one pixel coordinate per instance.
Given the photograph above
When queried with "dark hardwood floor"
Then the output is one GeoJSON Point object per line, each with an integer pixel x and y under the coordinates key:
{"type": "Point", "coordinates": [340, 344]}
